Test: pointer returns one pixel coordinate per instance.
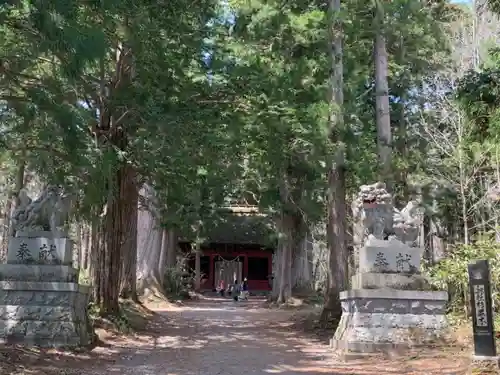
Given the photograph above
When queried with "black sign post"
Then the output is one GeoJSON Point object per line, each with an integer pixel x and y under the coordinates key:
{"type": "Point", "coordinates": [482, 309]}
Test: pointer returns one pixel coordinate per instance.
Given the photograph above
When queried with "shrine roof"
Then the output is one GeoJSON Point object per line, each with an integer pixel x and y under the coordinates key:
{"type": "Point", "coordinates": [240, 227]}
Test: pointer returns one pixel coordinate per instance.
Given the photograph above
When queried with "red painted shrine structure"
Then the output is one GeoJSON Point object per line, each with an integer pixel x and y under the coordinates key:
{"type": "Point", "coordinates": [240, 247]}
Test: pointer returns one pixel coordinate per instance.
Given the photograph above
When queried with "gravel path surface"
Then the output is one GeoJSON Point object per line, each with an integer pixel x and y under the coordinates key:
{"type": "Point", "coordinates": [222, 338]}
{"type": "Point", "coordinates": [227, 338]}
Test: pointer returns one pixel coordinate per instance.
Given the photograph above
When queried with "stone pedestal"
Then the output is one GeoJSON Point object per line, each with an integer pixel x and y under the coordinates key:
{"type": "Point", "coordinates": [391, 306]}
{"type": "Point", "coordinates": [376, 320]}
{"type": "Point", "coordinates": [41, 302]}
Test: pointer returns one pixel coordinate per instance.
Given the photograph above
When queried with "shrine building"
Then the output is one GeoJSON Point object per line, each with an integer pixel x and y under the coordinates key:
{"type": "Point", "coordinates": [239, 246]}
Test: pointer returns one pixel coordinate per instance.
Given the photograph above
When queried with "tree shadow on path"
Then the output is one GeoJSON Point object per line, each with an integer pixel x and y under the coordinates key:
{"type": "Point", "coordinates": [226, 338]}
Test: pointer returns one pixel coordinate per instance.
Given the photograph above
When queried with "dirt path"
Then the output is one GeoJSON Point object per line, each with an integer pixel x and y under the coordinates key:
{"type": "Point", "coordinates": [227, 338]}
{"type": "Point", "coordinates": [221, 338]}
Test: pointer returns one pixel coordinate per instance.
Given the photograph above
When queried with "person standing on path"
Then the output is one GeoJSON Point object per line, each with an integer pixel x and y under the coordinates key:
{"type": "Point", "coordinates": [236, 290]}
{"type": "Point", "coordinates": [244, 289]}
{"type": "Point", "coordinates": [221, 288]}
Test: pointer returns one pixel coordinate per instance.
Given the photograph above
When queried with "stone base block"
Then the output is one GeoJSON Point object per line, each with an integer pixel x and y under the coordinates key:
{"type": "Point", "coordinates": [389, 320]}
{"type": "Point", "coordinates": [24, 272]}
{"type": "Point", "coordinates": [40, 250]}
{"type": "Point", "coordinates": [46, 314]}
{"type": "Point", "coordinates": [398, 281]}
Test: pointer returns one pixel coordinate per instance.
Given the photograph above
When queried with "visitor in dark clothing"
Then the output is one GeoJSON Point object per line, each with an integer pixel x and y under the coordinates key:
{"type": "Point", "coordinates": [236, 290]}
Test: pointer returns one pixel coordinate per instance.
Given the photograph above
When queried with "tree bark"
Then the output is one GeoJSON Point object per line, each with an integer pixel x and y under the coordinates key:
{"type": "Point", "coordinates": [382, 110]}
{"type": "Point", "coordinates": [11, 204]}
{"type": "Point", "coordinates": [336, 225]}
{"type": "Point", "coordinates": [77, 263]}
{"type": "Point", "coordinates": [197, 267]}
{"type": "Point", "coordinates": [277, 266]}
{"type": "Point", "coordinates": [286, 245]}
{"type": "Point", "coordinates": [6, 229]}
{"type": "Point", "coordinates": [339, 254]}
{"type": "Point", "coordinates": [302, 258]}
{"type": "Point", "coordinates": [19, 184]}
{"type": "Point", "coordinates": [97, 268]}
{"type": "Point", "coordinates": [113, 129]}
{"type": "Point", "coordinates": [86, 243]}
{"type": "Point", "coordinates": [149, 244]}
{"type": "Point", "coordinates": [170, 250]}
{"type": "Point", "coordinates": [113, 235]}
{"type": "Point", "coordinates": [162, 263]}
{"type": "Point", "coordinates": [130, 202]}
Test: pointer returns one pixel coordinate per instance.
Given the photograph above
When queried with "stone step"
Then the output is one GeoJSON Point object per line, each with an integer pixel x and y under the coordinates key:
{"type": "Point", "coordinates": [38, 273]}
{"type": "Point", "coordinates": [35, 312]}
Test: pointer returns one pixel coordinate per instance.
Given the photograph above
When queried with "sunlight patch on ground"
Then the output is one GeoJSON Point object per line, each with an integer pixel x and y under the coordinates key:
{"type": "Point", "coordinates": [222, 338]}
{"type": "Point", "coordinates": [284, 369]}
{"type": "Point", "coordinates": [107, 351]}
{"type": "Point", "coordinates": [222, 309]}
{"type": "Point", "coordinates": [243, 337]}
{"type": "Point", "coordinates": [179, 342]}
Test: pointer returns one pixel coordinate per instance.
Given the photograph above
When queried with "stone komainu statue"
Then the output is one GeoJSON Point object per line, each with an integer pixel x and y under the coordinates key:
{"type": "Point", "coordinates": [50, 212]}
{"type": "Point", "coordinates": [375, 215]}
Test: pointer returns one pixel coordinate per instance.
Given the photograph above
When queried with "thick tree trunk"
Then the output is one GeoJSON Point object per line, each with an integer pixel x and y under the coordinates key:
{"type": "Point", "coordinates": [170, 250]}
{"type": "Point", "coordinates": [168, 253]}
{"type": "Point", "coordinates": [277, 266]}
{"type": "Point", "coordinates": [14, 199]}
{"type": "Point", "coordinates": [113, 132]}
{"type": "Point", "coordinates": [336, 225]}
{"type": "Point", "coordinates": [86, 243]}
{"type": "Point", "coordinates": [110, 244]}
{"type": "Point", "coordinates": [287, 226]}
{"type": "Point", "coordinates": [77, 263]}
{"type": "Point", "coordinates": [5, 229]}
{"type": "Point", "coordinates": [382, 110]}
{"type": "Point", "coordinates": [339, 254]}
{"type": "Point", "coordinates": [149, 245]}
{"type": "Point", "coordinates": [130, 202]}
{"type": "Point", "coordinates": [113, 254]}
{"type": "Point", "coordinates": [97, 267]}
{"type": "Point", "coordinates": [302, 258]}
{"type": "Point", "coordinates": [197, 268]}
{"type": "Point", "coordinates": [162, 262]}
